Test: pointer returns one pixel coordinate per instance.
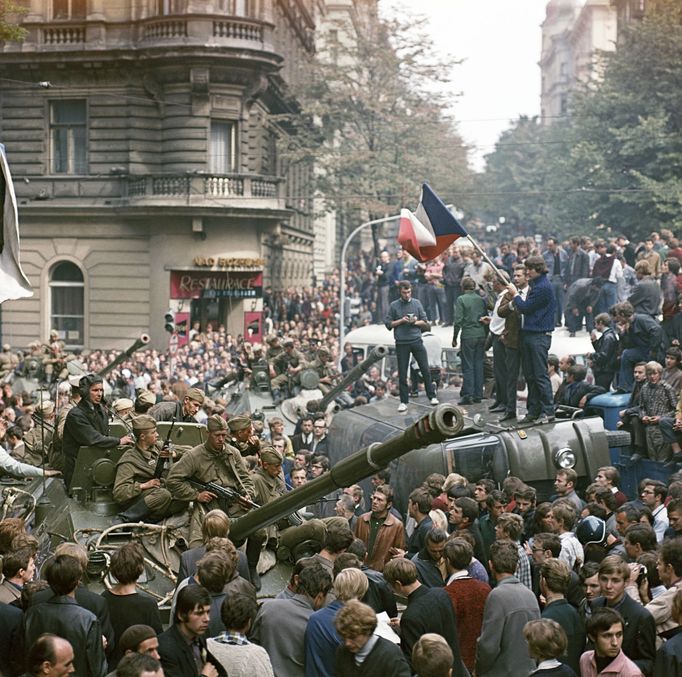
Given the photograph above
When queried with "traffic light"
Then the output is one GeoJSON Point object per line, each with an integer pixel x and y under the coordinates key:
{"type": "Point", "coordinates": [169, 321]}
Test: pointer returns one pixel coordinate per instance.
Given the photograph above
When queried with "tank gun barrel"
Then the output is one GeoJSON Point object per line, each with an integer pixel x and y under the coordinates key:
{"type": "Point", "coordinates": [375, 355]}
{"type": "Point", "coordinates": [142, 341]}
{"type": "Point", "coordinates": [442, 423]}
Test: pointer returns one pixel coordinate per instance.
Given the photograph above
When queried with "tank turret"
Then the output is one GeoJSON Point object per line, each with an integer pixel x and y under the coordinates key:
{"type": "Point", "coordinates": [377, 353]}
{"type": "Point", "coordinates": [443, 422]}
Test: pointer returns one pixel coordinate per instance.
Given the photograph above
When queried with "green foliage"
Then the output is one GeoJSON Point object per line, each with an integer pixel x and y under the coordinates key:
{"type": "Point", "coordinates": [10, 11]}
{"type": "Point", "coordinates": [616, 161]}
{"type": "Point", "coordinates": [372, 119]}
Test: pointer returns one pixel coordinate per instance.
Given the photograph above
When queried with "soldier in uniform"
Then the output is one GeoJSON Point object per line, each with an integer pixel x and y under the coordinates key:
{"type": "Point", "coordinates": [322, 364]}
{"type": "Point", "coordinates": [273, 350]}
{"type": "Point", "coordinates": [87, 425]}
{"type": "Point", "coordinates": [184, 411]}
{"type": "Point", "coordinates": [8, 361]}
{"type": "Point", "coordinates": [288, 365]}
{"type": "Point", "coordinates": [242, 436]}
{"type": "Point", "coordinates": [38, 440]}
{"type": "Point", "coordinates": [123, 412]}
{"type": "Point", "coordinates": [57, 457]}
{"type": "Point", "coordinates": [141, 495]}
{"type": "Point", "coordinates": [54, 356]}
{"type": "Point", "coordinates": [215, 461]}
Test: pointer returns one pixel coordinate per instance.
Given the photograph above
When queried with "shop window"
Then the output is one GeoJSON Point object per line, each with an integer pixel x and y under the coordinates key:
{"type": "Point", "coordinates": [67, 303]}
{"type": "Point", "coordinates": [69, 9]}
{"type": "Point", "coordinates": [222, 148]}
{"type": "Point", "coordinates": [68, 136]}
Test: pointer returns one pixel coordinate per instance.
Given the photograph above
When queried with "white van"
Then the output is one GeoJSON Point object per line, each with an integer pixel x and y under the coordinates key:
{"type": "Point", "coordinates": [363, 339]}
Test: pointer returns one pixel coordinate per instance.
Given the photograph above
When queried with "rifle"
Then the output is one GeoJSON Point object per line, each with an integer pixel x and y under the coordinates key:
{"type": "Point", "coordinates": [161, 461]}
{"type": "Point", "coordinates": [226, 494]}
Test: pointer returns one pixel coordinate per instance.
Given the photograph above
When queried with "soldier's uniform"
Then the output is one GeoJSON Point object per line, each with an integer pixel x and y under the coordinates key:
{"type": "Point", "coordinates": [6, 362]}
{"type": "Point", "coordinates": [324, 368]}
{"type": "Point", "coordinates": [135, 467]}
{"type": "Point", "coordinates": [274, 348]}
{"type": "Point", "coordinates": [123, 408]}
{"type": "Point", "coordinates": [38, 440]}
{"type": "Point", "coordinates": [246, 449]}
{"type": "Point", "coordinates": [166, 411]}
{"type": "Point", "coordinates": [281, 364]}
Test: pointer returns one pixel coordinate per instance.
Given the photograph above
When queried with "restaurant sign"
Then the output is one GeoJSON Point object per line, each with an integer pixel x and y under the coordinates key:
{"type": "Point", "coordinates": [214, 284]}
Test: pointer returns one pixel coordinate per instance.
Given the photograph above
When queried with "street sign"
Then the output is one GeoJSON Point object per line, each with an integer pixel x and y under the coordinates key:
{"type": "Point", "coordinates": [173, 343]}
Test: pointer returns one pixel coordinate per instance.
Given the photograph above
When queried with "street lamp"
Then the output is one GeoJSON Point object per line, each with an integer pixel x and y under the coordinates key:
{"type": "Point", "coordinates": [342, 318]}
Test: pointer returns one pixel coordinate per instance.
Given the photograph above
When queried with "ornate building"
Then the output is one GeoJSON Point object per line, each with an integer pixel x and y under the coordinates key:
{"type": "Point", "coordinates": [142, 140]}
{"type": "Point", "coordinates": [574, 34]}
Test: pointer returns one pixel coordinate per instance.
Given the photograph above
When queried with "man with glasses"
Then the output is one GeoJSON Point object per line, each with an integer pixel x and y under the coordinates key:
{"type": "Point", "coordinates": [653, 494]}
{"type": "Point", "coordinates": [319, 443]}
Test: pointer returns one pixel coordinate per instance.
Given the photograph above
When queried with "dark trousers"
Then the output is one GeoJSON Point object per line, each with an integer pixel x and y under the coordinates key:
{"type": "Point", "coordinates": [403, 352]}
{"type": "Point", "coordinates": [451, 294]}
{"type": "Point", "coordinates": [575, 322]}
{"type": "Point", "coordinates": [558, 287]}
{"type": "Point", "coordinates": [500, 369]}
{"type": "Point", "coordinates": [670, 435]}
{"type": "Point", "coordinates": [472, 354]}
{"type": "Point", "coordinates": [603, 379]}
{"type": "Point", "coordinates": [513, 360]}
{"type": "Point", "coordinates": [534, 352]}
{"type": "Point", "coordinates": [628, 360]}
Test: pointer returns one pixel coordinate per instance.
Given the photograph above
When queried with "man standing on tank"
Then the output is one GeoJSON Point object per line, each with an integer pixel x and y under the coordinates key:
{"type": "Point", "coordinates": [537, 324]}
{"type": "Point", "coordinates": [408, 318]}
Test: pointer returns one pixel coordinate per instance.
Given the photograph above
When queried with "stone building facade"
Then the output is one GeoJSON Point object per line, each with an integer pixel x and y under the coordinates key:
{"type": "Point", "coordinates": [143, 141]}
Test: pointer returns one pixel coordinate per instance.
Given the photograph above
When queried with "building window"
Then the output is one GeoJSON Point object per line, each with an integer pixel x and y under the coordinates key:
{"type": "Point", "coordinates": [67, 303]}
{"type": "Point", "coordinates": [249, 8]}
{"type": "Point", "coordinates": [164, 7]}
{"type": "Point", "coordinates": [69, 9]}
{"type": "Point", "coordinates": [68, 137]}
{"type": "Point", "coordinates": [222, 148]}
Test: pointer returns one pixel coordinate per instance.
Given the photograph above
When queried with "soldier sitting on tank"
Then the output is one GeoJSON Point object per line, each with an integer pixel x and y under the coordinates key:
{"type": "Point", "coordinates": [288, 365]}
{"type": "Point", "coordinates": [322, 364]}
{"type": "Point", "coordinates": [144, 402]}
{"type": "Point", "coordinates": [141, 495]}
{"type": "Point", "coordinates": [38, 440]}
{"type": "Point", "coordinates": [54, 357]}
{"type": "Point", "coordinates": [273, 350]}
{"type": "Point", "coordinates": [184, 411]}
{"type": "Point", "coordinates": [215, 461]}
{"type": "Point", "coordinates": [87, 425]}
{"type": "Point", "coordinates": [243, 438]}
{"type": "Point", "coordinates": [8, 361]}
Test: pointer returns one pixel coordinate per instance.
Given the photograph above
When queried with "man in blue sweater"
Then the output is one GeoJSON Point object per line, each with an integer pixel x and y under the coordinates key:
{"type": "Point", "coordinates": [407, 318]}
{"type": "Point", "coordinates": [537, 325]}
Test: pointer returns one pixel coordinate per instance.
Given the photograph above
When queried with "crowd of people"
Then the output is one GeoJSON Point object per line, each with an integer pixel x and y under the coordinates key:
{"type": "Point", "coordinates": [466, 578]}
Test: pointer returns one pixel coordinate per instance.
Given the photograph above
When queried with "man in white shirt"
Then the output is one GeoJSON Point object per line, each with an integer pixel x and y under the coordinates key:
{"type": "Point", "coordinates": [653, 494]}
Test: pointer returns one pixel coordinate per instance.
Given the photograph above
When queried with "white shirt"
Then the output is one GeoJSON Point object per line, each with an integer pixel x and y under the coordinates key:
{"type": "Point", "coordinates": [661, 522]}
{"type": "Point", "coordinates": [497, 322]}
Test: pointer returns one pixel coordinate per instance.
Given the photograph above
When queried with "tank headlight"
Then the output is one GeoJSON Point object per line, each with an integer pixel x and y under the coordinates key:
{"type": "Point", "coordinates": [564, 458]}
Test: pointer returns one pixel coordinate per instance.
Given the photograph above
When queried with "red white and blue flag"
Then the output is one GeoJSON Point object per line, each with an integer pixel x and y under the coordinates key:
{"type": "Point", "coordinates": [431, 229]}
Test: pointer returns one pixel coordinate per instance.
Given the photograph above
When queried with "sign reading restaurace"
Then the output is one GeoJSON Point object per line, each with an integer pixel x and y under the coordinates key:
{"type": "Point", "coordinates": [213, 284]}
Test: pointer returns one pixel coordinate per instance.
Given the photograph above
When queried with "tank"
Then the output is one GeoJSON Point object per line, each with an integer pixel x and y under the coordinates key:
{"type": "Point", "coordinates": [258, 397]}
{"type": "Point", "coordinates": [442, 423]}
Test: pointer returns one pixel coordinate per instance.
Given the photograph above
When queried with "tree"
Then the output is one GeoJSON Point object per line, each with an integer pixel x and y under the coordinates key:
{"type": "Point", "coordinates": [10, 31]}
{"type": "Point", "coordinates": [372, 119]}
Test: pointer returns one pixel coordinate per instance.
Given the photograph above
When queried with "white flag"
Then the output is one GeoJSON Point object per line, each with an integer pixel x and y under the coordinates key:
{"type": "Point", "coordinates": [13, 282]}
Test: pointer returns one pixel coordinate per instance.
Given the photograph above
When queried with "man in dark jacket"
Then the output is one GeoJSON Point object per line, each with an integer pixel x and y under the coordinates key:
{"type": "Point", "coordinates": [183, 647]}
{"type": "Point", "coordinates": [605, 356]}
{"type": "Point", "coordinates": [428, 610]}
{"type": "Point", "coordinates": [87, 425]}
{"type": "Point", "coordinates": [581, 299]}
{"type": "Point", "coordinates": [641, 337]}
{"type": "Point", "coordinates": [538, 311]}
{"type": "Point", "coordinates": [578, 263]}
{"type": "Point", "coordinates": [578, 392]}
{"type": "Point", "coordinates": [639, 631]}
{"type": "Point", "coordinates": [646, 296]}
{"type": "Point", "coordinates": [63, 616]}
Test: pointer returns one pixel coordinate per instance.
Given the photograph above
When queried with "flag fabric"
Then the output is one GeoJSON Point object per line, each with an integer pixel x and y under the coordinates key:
{"type": "Point", "coordinates": [431, 229]}
{"type": "Point", "coordinates": [13, 282]}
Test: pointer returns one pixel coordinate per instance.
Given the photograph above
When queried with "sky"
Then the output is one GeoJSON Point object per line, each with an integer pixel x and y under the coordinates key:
{"type": "Point", "coordinates": [500, 43]}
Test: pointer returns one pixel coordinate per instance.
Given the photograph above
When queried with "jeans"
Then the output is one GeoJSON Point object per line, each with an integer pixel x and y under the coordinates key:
{"type": "Point", "coordinates": [558, 287]}
{"type": "Point", "coordinates": [670, 435]}
{"type": "Point", "coordinates": [403, 352]}
{"type": "Point", "coordinates": [608, 296]}
{"type": "Point", "coordinates": [628, 360]}
{"type": "Point", "coordinates": [534, 352]}
{"type": "Point", "coordinates": [513, 360]}
{"type": "Point", "coordinates": [500, 369]}
{"type": "Point", "coordinates": [472, 355]}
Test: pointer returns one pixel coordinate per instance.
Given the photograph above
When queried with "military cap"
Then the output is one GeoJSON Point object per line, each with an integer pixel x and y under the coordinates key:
{"type": "Point", "coordinates": [271, 339]}
{"type": "Point", "coordinates": [146, 397]}
{"type": "Point", "coordinates": [323, 351]}
{"type": "Point", "coordinates": [143, 422]}
{"type": "Point", "coordinates": [270, 455]}
{"type": "Point", "coordinates": [121, 404]}
{"type": "Point", "coordinates": [215, 423]}
{"type": "Point", "coordinates": [288, 342]}
{"type": "Point", "coordinates": [6, 347]}
{"type": "Point", "coordinates": [46, 408]}
{"type": "Point", "coordinates": [195, 394]}
{"type": "Point", "coordinates": [238, 423]}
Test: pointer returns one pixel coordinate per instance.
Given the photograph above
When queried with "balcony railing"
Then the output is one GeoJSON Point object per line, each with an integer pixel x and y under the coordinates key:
{"type": "Point", "coordinates": [67, 34]}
